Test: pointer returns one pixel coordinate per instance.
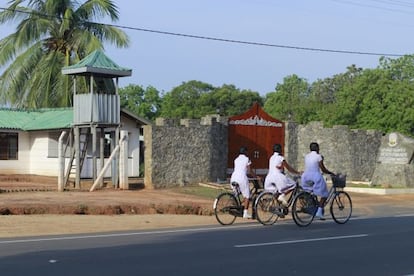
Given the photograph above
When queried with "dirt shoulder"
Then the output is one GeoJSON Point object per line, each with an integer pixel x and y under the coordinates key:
{"type": "Point", "coordinates": [36, 212]}
{"type": "Point", "coordinates": [103, 202]}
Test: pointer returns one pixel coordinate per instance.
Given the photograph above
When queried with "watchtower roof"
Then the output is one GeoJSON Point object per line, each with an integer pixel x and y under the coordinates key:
{"type": "Point", "coordinates": [98, 64]}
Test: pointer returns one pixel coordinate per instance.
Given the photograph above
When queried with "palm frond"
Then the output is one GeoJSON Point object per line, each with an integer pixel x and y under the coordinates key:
{"type": "Point", "coordinates": [51, 34]}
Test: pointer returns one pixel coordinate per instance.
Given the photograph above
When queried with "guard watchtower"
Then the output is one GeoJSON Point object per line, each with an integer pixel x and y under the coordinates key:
{"type": "Point", "coordinates": [96, 110]}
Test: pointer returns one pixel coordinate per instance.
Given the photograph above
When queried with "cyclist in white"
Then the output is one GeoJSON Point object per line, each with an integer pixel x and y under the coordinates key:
{"type": "Point", "coordinates": [239, 175]}
{"type": "Point", "coordinates": [313, 167]}
{"type": "Point", "coordinates": [276, 175]}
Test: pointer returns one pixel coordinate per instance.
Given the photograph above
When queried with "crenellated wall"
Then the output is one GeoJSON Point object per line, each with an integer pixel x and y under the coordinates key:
{"type": "Point", "coordinates": [354, 152]}
{"type": "Point", "coordinates": [185, 152]}
{"type": "Point", "coordinates": [192, 151]}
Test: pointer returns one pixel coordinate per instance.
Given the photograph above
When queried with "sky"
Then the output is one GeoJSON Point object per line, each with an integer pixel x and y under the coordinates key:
{"type": "Point", "coordinates": [165, 61]}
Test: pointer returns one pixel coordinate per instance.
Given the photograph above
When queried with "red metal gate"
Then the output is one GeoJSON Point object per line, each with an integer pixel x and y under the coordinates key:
{"type": "Point", "coordinates": [258, 131]}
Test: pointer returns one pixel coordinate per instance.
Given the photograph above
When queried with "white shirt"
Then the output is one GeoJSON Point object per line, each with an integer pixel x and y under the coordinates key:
{"type": "Point", "coordinates": [312, 160]}
{"type": "Point", "coordinates": [239, 175]}
{"type": "Point", "coordinates": [275, 162]}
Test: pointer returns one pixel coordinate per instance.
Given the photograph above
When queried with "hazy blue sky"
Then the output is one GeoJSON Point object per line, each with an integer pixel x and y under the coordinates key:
{"type": "Point", "coordinates": [165, 61]}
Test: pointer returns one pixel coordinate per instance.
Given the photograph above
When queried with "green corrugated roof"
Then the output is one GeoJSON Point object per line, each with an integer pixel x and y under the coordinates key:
{"type": "Point", "coordinates": [50, 118]}
{"type": "Point", "coordinates": [96, 63]}
{"type": "Point", "coordinates": [46, 118]}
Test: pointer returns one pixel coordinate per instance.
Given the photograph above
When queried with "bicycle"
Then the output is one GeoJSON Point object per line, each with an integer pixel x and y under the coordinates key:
{"type": "Point", "coordinates": [306, 204]}
{"type": "Point", "coordinates": [228, 205]}
{"type": "Point", "coordinates": [269, 209]}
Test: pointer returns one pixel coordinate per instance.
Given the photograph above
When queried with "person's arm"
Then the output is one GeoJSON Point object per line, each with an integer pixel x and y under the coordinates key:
{"type": "Point", "coordinates": [324, 169]}
{"type": "Point", "coordinates": [251, 172]}
{"type": "Point", "coordinates": [289, 168]}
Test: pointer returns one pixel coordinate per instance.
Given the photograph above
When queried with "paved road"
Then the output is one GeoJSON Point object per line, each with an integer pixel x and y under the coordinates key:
{"type": "Point", "coordinates": [364, 246]}
{"type": "Point", "coordinates": [364, 205]}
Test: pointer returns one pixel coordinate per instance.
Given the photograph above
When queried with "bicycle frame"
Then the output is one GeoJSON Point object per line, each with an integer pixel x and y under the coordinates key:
{"type": "Point", "coordinates": [292, 193]}
{"type": "Point", "coordinates": [268, 208]}
{"type": "Point", "coordinates": [340, 204]}
{"type": "Point", "coordinates": [254, 192]}
{"type": "Point", "coordinates": [331, 194]}
{"type": "Point", "coordinates": [237, 193]}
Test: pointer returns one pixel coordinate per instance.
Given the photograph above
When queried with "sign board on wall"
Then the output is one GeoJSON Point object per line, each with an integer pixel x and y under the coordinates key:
{"type": "Point", "coordinates": [396, 149]}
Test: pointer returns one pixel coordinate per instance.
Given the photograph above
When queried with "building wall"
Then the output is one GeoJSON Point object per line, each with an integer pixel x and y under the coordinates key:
{"type": "Point", "coordinates": [133, 146]}
{"type": "Point", "coordinates": [40, 162]}
{"type": "Point", "coordinates": [22, 164]}
{"type": "Point", "coordinates": [33, 154]}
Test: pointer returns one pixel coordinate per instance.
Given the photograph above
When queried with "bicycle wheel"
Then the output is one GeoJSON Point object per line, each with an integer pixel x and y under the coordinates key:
{"type": "Point", "coordinates": [266, 207]}
{"type": "Point", "coordinates": [341, 207]}
{"type": "Point", "coordinates": [304, 208]}
{"type": "Point", "coordinates": [225, 208]}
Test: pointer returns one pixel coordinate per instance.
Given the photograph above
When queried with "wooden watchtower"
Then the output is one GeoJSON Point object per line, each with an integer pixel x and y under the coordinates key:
{"type": "Point", "coordinates": [96, 111]}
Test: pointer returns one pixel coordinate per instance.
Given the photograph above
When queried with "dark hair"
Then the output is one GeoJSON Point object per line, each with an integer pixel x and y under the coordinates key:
{"type": "Point", "coordinates": [243, 150]}
{"type": "Point", "coordinates": [314, 146]}
{"type": "Point", "coordinates": [277, 148]}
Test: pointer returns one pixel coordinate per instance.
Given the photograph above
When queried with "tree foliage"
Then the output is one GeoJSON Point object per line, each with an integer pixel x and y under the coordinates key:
{"type": "Point", "coordinates": [51, 34]}
{"type": "Point", "coordinates": [381, 98]}
{"type": "Point", "coordinates": [143, 102]}
{"type": "Point", "coordinates": [287, 102]}
{"type": "Point", "coordinates": [183, 100]}
{"type": "Point", "coordinates": [195, 99]}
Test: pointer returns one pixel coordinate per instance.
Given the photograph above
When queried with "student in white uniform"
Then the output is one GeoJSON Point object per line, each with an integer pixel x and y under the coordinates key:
{"type": "Point", "coordinates": [276, 174]}
{"type": "Point", "coordinates": [313, 167]}
{"type": "Point", "coordinates": [239, 175]}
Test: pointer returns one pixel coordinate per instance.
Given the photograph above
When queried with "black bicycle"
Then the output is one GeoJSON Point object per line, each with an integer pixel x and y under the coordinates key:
{"type": "Point", "coordinates": [269, 208]}
{"type": "Point", "coordinates": [228, 205]}
{"type": "Point", "coordinates": [306, 204]}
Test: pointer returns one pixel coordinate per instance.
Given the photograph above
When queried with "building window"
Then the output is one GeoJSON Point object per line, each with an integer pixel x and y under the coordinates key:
{"type": "Point", "coordinates": [8, 146]}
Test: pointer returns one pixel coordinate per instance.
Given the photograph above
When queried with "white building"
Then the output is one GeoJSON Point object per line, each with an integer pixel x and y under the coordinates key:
{"type": "Point", "coordinates": [29, 141]}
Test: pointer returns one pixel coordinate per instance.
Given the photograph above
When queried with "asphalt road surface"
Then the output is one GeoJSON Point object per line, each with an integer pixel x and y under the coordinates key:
{"type": "Point", "coordinates": [363, 246]}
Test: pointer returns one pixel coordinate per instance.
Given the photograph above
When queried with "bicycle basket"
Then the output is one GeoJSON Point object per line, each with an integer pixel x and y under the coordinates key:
{"type": "Point", "coordinates": [339, 180]}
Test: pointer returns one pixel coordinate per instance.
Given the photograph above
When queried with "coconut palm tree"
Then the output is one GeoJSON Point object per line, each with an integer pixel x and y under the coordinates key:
{"type": "Point", "coordinates": [50, 34]}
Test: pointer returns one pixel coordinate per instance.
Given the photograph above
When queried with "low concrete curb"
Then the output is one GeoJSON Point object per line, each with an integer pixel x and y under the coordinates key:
{"type": "Point", "coordinates": [380, 191]}
{"type": "Point", "coordinates": [374, 191]}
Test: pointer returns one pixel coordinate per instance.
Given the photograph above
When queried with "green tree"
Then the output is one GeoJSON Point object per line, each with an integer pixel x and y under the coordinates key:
{"type": "Point", "coordinates": [195, 99]}
{"type": "Point", "coordinates": [380, 98]}
{"type": "Point", "coordinates": [183, 101]}
{"type": "Point", "coordinates": [387, 104]}
{"type": "Point", "coordinates": [51, 34]}
{"type": "Point", "coordinates": [228, 100]}
{"type": "Point", "coordinates": [143, 102]}
{"type": "Point", "coordinates": [399, 69]}
{"type": "Point", "coordinates": [288, 101]}
{"type": "Point", "coordinates": [323, 102]}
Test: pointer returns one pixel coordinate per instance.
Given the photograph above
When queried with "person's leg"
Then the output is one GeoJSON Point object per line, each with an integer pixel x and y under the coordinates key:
{"type": "Point", "coordinates": [320, 212]}
{"type": "Point", "coordinates": [282, 198]}
{"type": "Point", "coordinates": [245, 190]}
{"type": "Point", "coordinates": [246, 208]}
{"type": "Point", "coordinates": [321, 190]}
{"type": "Point", "coordinates": [246, 202]}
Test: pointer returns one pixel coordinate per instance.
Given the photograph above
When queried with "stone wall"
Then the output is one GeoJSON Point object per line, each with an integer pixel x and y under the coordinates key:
{"type": "Point", "coordinates": [192, 151]}
{"type": "Point", "coordinates": [345, 150]}
{"type": "Point", "coordinates": [395, 162]}
{"type": "Point", "coordinates": [185, 152]}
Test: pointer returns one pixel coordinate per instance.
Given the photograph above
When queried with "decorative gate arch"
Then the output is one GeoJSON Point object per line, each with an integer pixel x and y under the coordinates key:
{"type": "Point", "coordinates": [258, 131]}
